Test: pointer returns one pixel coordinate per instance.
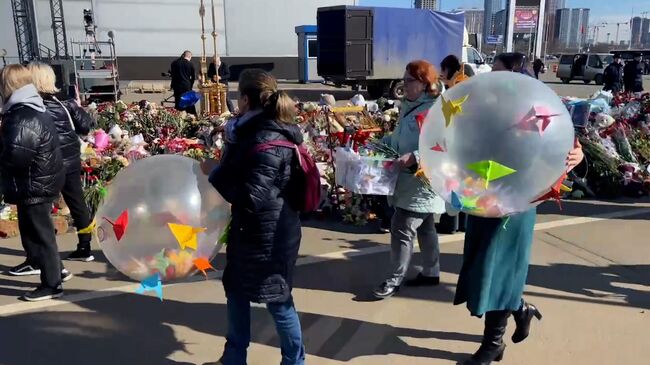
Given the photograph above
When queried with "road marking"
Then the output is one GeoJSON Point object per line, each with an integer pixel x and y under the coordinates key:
{"type": "Point", "coordinates": [14, 308]}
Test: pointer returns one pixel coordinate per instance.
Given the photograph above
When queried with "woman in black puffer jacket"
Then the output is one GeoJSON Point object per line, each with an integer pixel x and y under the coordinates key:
{"type": "Point", "coordinates": [265, 231]}
{"type": "Point", "coordinates": [32, 178]}
{"type": "Point", "coordinates": [71, 122]}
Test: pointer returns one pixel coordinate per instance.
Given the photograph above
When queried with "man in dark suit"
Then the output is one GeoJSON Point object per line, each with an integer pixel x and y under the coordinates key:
{"type": "Point", "coordinates": [633, 75]}
{"type": "Point", "coordinates": [183, 77]}
{"type": "Point", "coordinates": [224, 76]}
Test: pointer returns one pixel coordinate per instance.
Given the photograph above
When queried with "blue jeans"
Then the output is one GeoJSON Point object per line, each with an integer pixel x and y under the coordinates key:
{"type": "Point", "coordinates": [238, 338]}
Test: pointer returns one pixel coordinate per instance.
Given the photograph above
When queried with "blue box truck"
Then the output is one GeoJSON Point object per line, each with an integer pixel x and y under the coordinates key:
{"type": "Point", "coordinates": [370, 47]}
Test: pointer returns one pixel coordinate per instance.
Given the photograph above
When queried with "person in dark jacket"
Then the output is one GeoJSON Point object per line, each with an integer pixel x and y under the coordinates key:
{"type": "Point", "coordinates": [71, 122]}
{"type": "Point", "coordinates": [32, 174]}
{"type": "Point", "coordinates": [495, 266]}
{"type": "Point", "coordinates": [613, 76]}
{"type": "Point", "coordinates": [265, 229]}
{"type": "Point", "coordinates": [538, 66]}
{"type": "Point", "coordinates": [222, 75]}
{"type": "Point", "coordinates": [183, 77]}
{"type": "Point", "coordinates": [452, 71]}
{"type": "Point", "coordinates": [633, 75]}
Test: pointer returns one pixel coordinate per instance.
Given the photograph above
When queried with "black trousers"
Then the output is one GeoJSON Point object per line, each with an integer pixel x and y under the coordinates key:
{"type": "Point", "coordinates": [177, 100]}
{"type": "Point", "coordinates": [39, 241]}
{"type": "Point", "coordinates": [73, 196]}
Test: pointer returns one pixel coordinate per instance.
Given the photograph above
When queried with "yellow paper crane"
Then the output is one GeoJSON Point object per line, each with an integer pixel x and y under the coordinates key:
{"type": "Point", "coordinates": [88, 230]}
{"type": "Point", "coordinates": [186, 235]}
{"type": "Point", "coordinates": [450, 108]}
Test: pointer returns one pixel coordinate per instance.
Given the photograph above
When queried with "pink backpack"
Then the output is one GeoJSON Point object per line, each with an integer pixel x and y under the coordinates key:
{"type": "Point", "coordinates": [308, 196]}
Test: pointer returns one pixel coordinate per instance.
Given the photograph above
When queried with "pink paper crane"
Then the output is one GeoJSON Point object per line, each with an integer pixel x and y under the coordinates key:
{"type": "Point", "coordinates": [538, 119]}
{"type": "Point", "coordinates": [440, 147]}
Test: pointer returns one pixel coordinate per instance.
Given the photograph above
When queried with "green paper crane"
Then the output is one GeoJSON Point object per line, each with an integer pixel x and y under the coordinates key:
{"type": "Point", "coordinates": [490, 170]}
{"type": "Point", "coordinates": [469, 203]}
{"type": "Point", "coordinates": [162, 262]}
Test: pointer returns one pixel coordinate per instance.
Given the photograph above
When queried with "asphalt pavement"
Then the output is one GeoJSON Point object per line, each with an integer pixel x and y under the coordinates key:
{"type": "Point", "coordinates": [590, 277]}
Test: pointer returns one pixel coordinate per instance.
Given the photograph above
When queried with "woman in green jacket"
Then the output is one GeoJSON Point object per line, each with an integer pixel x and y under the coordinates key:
{"type": "Point", "coordinates": [414, 202]}
{"type": "Point", "coordinates": [495, 266]}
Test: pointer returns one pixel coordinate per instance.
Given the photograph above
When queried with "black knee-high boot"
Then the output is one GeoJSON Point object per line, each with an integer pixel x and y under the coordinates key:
{"type": "Point", "coordinates": [492, 346]}
{"type": "Point", "coordinates": [523, 317]}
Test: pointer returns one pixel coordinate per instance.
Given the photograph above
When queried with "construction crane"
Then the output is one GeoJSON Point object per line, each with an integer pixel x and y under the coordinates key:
{"type": "Point", "coordinates": [596, 30]}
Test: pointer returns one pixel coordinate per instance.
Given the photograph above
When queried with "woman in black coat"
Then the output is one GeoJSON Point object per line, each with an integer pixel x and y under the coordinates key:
{"type": "Point", "coordinates": [32, 178]}
{"type": "Point", "coordinates": [71, 121]}
{"type": "Point", "coordinates": [265, 231]}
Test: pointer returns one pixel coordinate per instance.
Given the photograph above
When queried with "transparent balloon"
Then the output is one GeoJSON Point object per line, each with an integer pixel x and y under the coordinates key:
{"type": "Point", "coordinates": [159, 216]}
{"type": "Point", "coordinates": [496, 144]}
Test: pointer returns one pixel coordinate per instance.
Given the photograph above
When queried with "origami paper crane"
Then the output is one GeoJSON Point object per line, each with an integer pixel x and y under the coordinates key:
{"type": "Point", "coordinates": [88, 230]}
{"type": "Point", "coordinates": [203, 264]}
{"type": "Point", "coordinates": [161, 261]}
{"type": "Point", "coordinates": [506, 220]}
{"type": "Point", "coordinates": [186, 235]}
{"type": "Point", "coordinates": [421, 117]}
{"type": "Point", "coordinates": [120, 225]}
{"type": "Point", "coordinates": [460, 202]}
{"type": "Point", "coordinates": [151, 283]}
{"type": "Point", "coordinates": [226, 235]}
{"type": "Point", "coordinates": [538, 119]}
{"type": "Point", "coordinates": [450, 108]}
{"type": "Point", "coordinates": [490, 170]}
{"type": "Point", "coordinates": [555, 193]}
{"type": "Point", "coordinates": [440, 148]}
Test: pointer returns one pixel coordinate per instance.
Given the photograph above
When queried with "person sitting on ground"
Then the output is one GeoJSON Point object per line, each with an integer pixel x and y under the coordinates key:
{"type": "Point", "coordinates": [71, 122]}
{"type": "Point", "coordinates": [32, 175]}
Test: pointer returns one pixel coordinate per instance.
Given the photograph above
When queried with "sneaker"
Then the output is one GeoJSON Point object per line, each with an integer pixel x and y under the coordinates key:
{"type": "Point", "coordinates": [24, 269]}
{"type": "Point", "coordinates": [66, 275]}
{"type": "Point", "coordinates": [43, 293]}
{"type": "Point", "coordinates": [385, 290]}
{"type": "Point", "coordinates": [81, 255]}
{"type": "Point", "coordinates": [422, 280]}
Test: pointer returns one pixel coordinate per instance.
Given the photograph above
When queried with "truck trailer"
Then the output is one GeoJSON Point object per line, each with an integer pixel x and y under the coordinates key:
{"type": "Point", "coordinates": [369, 47]}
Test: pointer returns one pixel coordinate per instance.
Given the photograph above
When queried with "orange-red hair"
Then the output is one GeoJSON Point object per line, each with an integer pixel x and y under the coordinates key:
{"type": "Point", "coordinates": [424, 72]}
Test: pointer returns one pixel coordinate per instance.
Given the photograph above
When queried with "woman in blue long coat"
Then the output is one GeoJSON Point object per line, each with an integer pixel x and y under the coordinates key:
{"type": "Point", "coordinates": [495, 266]}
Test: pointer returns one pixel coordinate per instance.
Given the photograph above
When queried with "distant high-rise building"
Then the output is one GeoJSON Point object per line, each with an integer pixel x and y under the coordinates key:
{"type": "Point", "coordinates": [473, 20]}
{"type": "Point", "coordinates": [571, 27]}
{"type": "Point", "coordinates": [636, 25]}
{"type": "Point", "coordinates": [491, 7]}
{"type": "Point", "coordinates": [645, 33]}
{"type": "Point", "coordinates": [428, 4]}
{"type": "Point", "coordinates": [551, 9]}
{"type": "Point", "coordinates": [500, 19]}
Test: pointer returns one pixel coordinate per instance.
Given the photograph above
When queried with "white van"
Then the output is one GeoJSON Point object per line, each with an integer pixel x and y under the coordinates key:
{"type": "Point", "coordinates": [473, 58]}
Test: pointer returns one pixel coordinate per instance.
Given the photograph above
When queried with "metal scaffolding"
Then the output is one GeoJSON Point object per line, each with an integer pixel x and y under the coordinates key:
{"type": "Point", "coordinates": [58, 28]}
{"type": "Point", "coordinates": [26, 31]}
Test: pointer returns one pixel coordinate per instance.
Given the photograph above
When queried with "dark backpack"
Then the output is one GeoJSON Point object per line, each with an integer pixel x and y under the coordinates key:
{"type": "Point", "coordinates": [308, 188]}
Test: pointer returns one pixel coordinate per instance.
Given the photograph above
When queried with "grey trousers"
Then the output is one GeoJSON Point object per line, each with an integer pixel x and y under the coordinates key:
{"type": "Point", "coordinates": [405, 227]}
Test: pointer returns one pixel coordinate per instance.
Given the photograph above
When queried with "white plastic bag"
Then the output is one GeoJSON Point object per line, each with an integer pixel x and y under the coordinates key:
{"type": "Point", "coordinates": [365, 175]}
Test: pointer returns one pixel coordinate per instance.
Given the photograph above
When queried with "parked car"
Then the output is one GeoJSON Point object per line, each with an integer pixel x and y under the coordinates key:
{"type": "Point", "coordinates": [587, 67]}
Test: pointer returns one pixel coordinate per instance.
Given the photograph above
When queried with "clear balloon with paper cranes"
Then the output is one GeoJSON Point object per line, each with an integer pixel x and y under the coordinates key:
{"type": "Point", "coordinates": [161, 219]}
{"type": "Point", "coordinates": [496, 144]}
